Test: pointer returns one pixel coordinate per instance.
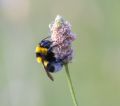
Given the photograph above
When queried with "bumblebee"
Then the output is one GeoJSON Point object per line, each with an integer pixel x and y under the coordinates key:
{"type": "Point", "coordinates": [45, 55]}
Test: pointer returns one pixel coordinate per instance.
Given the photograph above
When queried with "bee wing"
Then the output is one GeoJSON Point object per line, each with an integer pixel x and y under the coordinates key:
{"type": "Point", "coordinates": [47, 72]}
{"type": "Point", "coordinates": [46, 37]}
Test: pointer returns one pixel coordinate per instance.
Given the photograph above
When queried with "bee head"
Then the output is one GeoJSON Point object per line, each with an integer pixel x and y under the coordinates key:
{"type": "Point", "coordinates": [45, 43]}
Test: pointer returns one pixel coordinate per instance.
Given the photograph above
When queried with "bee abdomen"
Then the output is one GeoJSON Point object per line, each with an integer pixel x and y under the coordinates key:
{"type": "Point", "coordinates": [54, 67]}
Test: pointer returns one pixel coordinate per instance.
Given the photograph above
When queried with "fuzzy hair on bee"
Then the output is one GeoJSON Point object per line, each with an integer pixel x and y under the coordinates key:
{"type": "Point", "coordinates": [45, 55]}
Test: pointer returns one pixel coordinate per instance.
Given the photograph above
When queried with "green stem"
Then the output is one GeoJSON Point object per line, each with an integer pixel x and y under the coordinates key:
{"type": "Point", "coordinates": [70, 85]}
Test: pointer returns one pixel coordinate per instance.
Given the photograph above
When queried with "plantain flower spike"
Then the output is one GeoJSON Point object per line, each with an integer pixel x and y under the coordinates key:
{"type": "Point", "coordinates": [62, 38]}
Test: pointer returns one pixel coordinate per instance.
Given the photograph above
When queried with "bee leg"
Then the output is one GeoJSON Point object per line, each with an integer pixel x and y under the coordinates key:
{"type": "Point", "coordinates": [49, 75]}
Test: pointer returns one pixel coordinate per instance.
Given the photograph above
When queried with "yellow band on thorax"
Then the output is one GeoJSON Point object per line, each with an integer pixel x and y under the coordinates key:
{"type": "Point", "coordinates": [41, 50]}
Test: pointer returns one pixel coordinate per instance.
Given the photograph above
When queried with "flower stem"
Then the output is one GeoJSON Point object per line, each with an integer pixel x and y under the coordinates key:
{"type": "Point", "coordinates": [70, 85]}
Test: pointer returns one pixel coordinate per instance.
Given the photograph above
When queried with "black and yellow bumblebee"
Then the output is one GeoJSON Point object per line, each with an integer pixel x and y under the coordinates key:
{"type": "Point", "coordinates": [45, 55]}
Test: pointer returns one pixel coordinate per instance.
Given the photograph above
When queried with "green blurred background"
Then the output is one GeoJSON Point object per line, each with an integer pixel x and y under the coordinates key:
{"type": "Point", "coordinates": [95, 69]}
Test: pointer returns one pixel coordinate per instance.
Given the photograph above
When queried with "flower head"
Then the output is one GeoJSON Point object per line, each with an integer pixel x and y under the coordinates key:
{"type": "Point", "coordinates": [62, 38]}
